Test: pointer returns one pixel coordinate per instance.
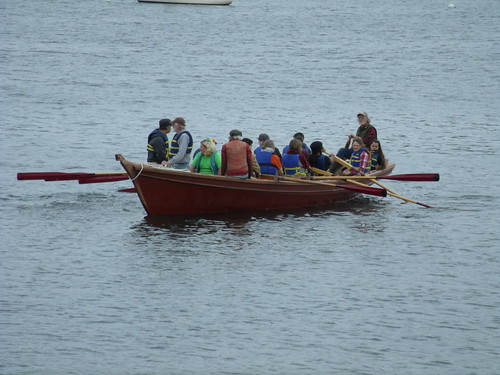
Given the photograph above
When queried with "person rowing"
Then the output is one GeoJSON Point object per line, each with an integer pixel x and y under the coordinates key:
{"type": "Point", "coordinates": [367, 133]}
{"type": "Point", "coordinates": [360, 159]}
{"type": "Point", "coordinates": [317, 159]}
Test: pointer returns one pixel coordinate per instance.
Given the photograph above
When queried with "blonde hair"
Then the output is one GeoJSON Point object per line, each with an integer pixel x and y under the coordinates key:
{"type": "Point", "coordinates": [209, 146]}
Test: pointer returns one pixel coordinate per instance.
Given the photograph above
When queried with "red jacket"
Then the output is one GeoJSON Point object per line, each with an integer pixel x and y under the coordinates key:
{"type": "Point", "coordinates": [236, 159]}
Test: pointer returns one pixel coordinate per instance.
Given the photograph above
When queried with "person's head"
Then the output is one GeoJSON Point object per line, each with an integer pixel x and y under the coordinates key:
{"type": "Point", "coordinates": [363, 118]}
{"type": "Point", "coordinates": [164, 125]}
{"type": "Point", "coordinates": [316, 148]}
{"type": "Point", "coordinates": [235, 134]}
{"type": "Point", "coordinates": [357, 143]}
{"type": "Point", "coordinates": [207, 146]}
{"type": "Point", "coordinates": [299, 136]}
{"type": "Point", "coordinates": [295, 145]}
{"type": "Point", "coordinates": [262, 138]}
{"type": "Point", "coordinates": [179, 124]}
{"type": "Point", "coordinates": [268, 144]}
{"type": "Point", "coordinates": [375, 146]}
{"type": "Point", "coordinates": [248, 141]}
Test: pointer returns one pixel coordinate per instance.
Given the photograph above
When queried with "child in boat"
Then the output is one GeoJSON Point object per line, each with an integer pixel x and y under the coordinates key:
{"type": "Point", "coordinates": [317, 159]}
{"type": "Point", "coordinates": [305, 150]}
{"type": "Point", "coordinates": [377, 156]}
{"type": "Point", "coordinates": [294, 161]}
{"type": "Point", "coordinates": [269, 162]}
{"type": "Point", "coordinates": [208, 160]}
{"type": "Point", "coordinates": [360, 159]}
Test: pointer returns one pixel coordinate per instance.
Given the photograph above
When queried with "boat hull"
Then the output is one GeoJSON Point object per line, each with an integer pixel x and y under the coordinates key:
{"type": "Point", "coordinates": [166, 191]}
{"type": "Point", "coordinates": [191, 2]}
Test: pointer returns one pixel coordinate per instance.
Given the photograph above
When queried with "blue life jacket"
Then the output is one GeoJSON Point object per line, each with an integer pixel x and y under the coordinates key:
{"type": "Point", "coordinates": [374, 161]}
{"type": "Point", "coordinates": [292, 166]}
{"type": "Point", "coordinates": [356, 160]}
{"type": "Point", "coordinates": [174, 144]}
{"type": "Point", "coordinates": [321, 162]}
{"type": "Point", "coordinates": [264, 160]}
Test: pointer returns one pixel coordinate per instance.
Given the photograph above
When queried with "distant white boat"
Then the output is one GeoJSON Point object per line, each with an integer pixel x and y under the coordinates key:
{"type": "Point", "coordinates": [196, 2]}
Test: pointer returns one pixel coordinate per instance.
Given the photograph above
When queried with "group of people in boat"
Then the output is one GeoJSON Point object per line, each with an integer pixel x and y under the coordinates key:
{"type": "Point", "coordinates": [363, 152]}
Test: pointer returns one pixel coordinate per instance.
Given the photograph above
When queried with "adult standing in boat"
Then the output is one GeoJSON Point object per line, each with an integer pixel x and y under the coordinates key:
{"type": "Point", "coordinates": [180, 146]}
{"type": "Point", "coordinates": [261, 139]}
{"type": "Point", "coordinates": [294, 161]}
{"type": "Point", "coordinates": [269, 162]}
{"type": "Point", "coordinates": [236, 157]}
{"type": "Point", "coordinates": [366, 131]}
{"type": "Point", "coordinates": [208, 160]}
{"type": "Point", "coordinates": [158, 144]}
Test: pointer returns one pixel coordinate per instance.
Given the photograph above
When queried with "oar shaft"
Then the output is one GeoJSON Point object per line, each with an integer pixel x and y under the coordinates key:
{"type": "Point", "coordinates": [396, 177]}
{"type": "Point", "coordinates": [396, 195]}
{"type": "Point", "coordinates": [361, 189]}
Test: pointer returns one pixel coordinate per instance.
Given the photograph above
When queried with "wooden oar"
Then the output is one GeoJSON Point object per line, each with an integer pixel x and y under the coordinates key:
{"type": "Point", "coordinates": [401, 177]}
{"type": "Point", "coordinates": [397, 177]}
{"type": "Point", "coordinates": [344, 163]}
{"type": "Point", "coordinates": [396, 195]}
{"type": "Point", "coordinates": [129, 190]}
{"type": "Point", "coordinates": [320, 171]}
{"type": "Point", "coordinates": [358, 189]}
{"type": "Point", "coordinates": [81, 176]}
{"type": "Point", "coordinates": [98, 179]}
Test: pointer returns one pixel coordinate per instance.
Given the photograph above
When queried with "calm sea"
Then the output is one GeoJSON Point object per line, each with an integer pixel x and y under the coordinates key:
{"type": "Point", "coordinates": [90, 285]}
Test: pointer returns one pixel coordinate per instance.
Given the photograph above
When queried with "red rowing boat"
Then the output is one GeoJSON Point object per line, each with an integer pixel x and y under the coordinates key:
{"type": "Point", "coordinates": [167, 191]}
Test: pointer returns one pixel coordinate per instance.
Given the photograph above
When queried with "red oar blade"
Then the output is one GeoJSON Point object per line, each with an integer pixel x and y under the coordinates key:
{"type": "Point", "coordinates": [129, 190]}
{"type": "Point", "coordinates": [98, 179]}
{"type": "Point", "coordinates": [52, 176]}
{"type": "Point", "coordinates": [413, 177]}
{"type": "Point", "coordinates": [365, 190]}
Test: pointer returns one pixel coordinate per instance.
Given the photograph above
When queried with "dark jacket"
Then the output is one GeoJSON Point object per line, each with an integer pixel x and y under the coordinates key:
{"type": "Point", "coordinates": [157, 147]}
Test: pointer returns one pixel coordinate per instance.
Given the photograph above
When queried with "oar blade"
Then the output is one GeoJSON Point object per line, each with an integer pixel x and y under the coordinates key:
{"type": "Point", "coordinates": [98, 179]}
{"type": "Point", "coordinates": [412, 177]}
{"type": "Point", "coordinates": [129, 190]}
{"type": "Point", "coordinates": [52, 176]}
{"type": "Point", "coordinates": [365, 190]}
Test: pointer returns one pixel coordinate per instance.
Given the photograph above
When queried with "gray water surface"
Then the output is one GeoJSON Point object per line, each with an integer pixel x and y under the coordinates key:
{"type": "Point", "coordinates": [90, 284]}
